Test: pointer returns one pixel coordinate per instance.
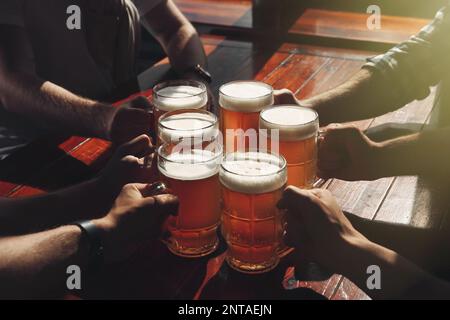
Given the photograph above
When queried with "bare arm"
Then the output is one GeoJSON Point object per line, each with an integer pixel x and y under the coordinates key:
{"type": "Point", "coordinates": [45, 103]}
{"type": "Point", "coordinates": [53, 107]}
{"type": "Point", "coordinates": [316, 223]}
{"type": "Point", "coordinates": [346, 153]}
{"type": "Point", "coordinates": [391, 80]}
{"type": "Point", "coordinates": [87, 200]}
{"type": "Point", "coordinates": [90, 199]}
{"type": "Point", "coordinates": [35, 265]}
{"type": "Point", "coordinates": [364, 96]}
{"type": "Point", "coordinates": [57, 109]}
{"type": "Point", "coordinates": [424, 153]}
{"type": "Point", "coordinates": [400, 279]}
{"type": "Point", "coordinates": [177, 36]}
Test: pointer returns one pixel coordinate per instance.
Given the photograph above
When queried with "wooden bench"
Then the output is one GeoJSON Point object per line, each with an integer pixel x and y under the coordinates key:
{"type": "Point", "coordinates": [317, 26]}
{"type": "Point", "coordinates": [227, 13]}
{"type": "Point", "coordinates": [351, 26]}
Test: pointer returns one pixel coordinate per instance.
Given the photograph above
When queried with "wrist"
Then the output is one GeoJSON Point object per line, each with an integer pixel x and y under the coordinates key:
{"type": "Point", "coordinates": [106, 231]}
{"type": "Point", "coordinates": [380, 164]}
{"type": "Point", "coordinates": [352, 250]}
{"type": "Point", "coordinates": [198, 73]}
{"type": "Point", "coordinates": [108, 114]}
{"type": "Point", "coordinates": [81, 257]}
{"type": "Point", "coordinates": [365, 253]}
{"type": "Point", "coordinates": [308, 103]}
{"type": "Point", "coordinates": [94, 236]}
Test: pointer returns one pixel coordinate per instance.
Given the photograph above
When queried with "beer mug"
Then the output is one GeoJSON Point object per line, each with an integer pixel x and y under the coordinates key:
{"type": "Point", "coordinates": [178, 95]}
{"type": "Point", "coordinates": [292, 132]}
{"type": "Point", "coordinates": [240, 104]}
{"type": "Point", "coordinates": [192, 174]}
{"type": "Point", "coordinates": [199, 126]}
{"type": "Point", "coordinates": [252, 184]}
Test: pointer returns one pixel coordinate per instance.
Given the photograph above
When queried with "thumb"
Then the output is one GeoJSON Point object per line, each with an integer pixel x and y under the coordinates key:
{"type": "Point", "coordinates": [295, 198]}
{"type": "Point", "coordinates": [285, 96]}
{"type": "Point", "coordinates": [162, 205]}
{"type": "Point", "coordinates": [138, 147]}
{"type": "Point", "coordinates": [140, 102]}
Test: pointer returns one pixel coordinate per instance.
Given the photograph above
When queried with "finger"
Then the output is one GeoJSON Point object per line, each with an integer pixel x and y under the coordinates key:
{"type": "Point", "coordinates": [283, 92]}
{"type": "Point", "coordinates": [284, 96]}
{"type": "Point", "coordinates": [154, 171]}
{"type": "Point", "coordinates": [138, 147]}
{"type": "Point", "coordinates": [141, 102]}
{"type": "Point", "coordinates": [165, 204]}
{"type": "Point", "coordinates": [137, 186]}
{"type": "Point", "coordinates": [294, 198]}
{"type": "Point", "coordinates": [153, 189]}
{"type": "Point", "coordinates": [149, 167]}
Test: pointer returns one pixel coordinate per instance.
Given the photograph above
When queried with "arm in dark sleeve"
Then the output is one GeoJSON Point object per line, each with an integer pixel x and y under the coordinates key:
{"type": "Point", "coordinates": [415, 65]}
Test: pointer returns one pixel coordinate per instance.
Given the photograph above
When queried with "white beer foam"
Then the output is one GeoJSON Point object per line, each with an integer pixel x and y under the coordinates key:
{"type": "Point", "coordinates": [293, 122]}
{"type": "Point", "coordinates": [198, 165]}
{"type": "Point", "coordinates": [188, 125]}
{"type": "Point", "coordinates": [246, 96]}
{"type": "Point", "coordinates": [252, 173]}
{"type": "Point", "coordinates": [179, 98]}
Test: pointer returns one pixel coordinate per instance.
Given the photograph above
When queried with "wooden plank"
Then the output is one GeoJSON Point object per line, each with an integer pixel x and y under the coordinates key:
{"type": "Point", "coordinates": [305, 74]}
{"type": "Point", "coordinates": [51, 168]}
{"type": "Point", "coordinates": [296, 71]}
{"type": "Point", "coordinates": [320, 74]}
{"type": "Point", "coordinates": [406, 199]}
{"type": "Point", "coordinates": [181, 278]}
{"type": "Point", "coordinates": [330, 52]}
{"type": "Point", "coordinates": [223, 13]}
{"type": "Point", "coordinates": [353, 26]}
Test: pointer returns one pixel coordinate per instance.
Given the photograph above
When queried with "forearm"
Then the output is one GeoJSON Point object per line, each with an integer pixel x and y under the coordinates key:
{"type": "Point", "coordinates": [54, 107]}
{"type": "Point", "coordinates": [35, 265]}
{"type": "Point", "coordinates": [84, 201]}
{"type": "Point", "coordinates": [362, 97]}
{"type": "Point", "coordinates": [176, 35]}
{"type": "Point", "coordinates": [185, 50]}
{"type": "Point", "coordinates": [400, 279]}
{"type": "Point", "coordinates": [424, 153]}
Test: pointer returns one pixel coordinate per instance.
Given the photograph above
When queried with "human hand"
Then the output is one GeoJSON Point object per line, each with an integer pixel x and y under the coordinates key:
{"type": "Point", "coordinates": [317, 227]}
{"type": "Point", "coordinates": [345, 152]}
{"type": "Point", "coordinates": [135, 218]}
{"type": "Point", "coordinates": [130, 120]}
{"type": "Point", "coordinates": [132, 162]}
{"type": "Point", "coordinates": [285, 96]}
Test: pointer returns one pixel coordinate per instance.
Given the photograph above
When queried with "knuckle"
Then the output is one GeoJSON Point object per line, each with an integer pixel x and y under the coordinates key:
{"type": "Point", "coordinates": [128, 187]}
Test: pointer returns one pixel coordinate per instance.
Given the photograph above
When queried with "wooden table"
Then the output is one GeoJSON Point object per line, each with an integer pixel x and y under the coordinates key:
{"type": "Point", "coordinates": [154, 273]}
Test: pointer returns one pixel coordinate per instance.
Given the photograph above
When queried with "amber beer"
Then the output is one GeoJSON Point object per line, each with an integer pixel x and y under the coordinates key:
{"type": "Point", "coordinates": [193, 176]}
{"type": "Point", "coordinates": [252, 184]}
{"type": "Point", "coordinates": [298, 128]}
{"type": "Point", "coordinates": [197, 125]}
{"type": "Point", "coordinates": [178, 95]}
{"type": "Point", "coordinates": [240, 105]}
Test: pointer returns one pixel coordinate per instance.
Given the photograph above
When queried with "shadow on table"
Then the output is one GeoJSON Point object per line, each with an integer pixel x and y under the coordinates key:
{"type": "Point", "coordinates": [43, 164]}
{"type": "Point", "coordinates": [392, 130]}
{"type": "Point", "coordinates": [155, 273]}
{"type": "Point", "coordinates": [229, 284]}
